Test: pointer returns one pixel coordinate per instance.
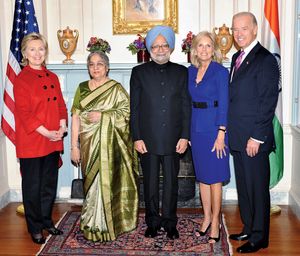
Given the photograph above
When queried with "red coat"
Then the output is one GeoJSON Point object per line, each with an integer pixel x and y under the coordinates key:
{"type": "Point", "coordinates": [39, 101]}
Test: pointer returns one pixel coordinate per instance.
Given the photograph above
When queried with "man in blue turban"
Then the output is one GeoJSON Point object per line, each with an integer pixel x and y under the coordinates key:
{"type": "Point", "coordinates": [160, 125]}
{"type": "Point", "coordinates": [165, 31]}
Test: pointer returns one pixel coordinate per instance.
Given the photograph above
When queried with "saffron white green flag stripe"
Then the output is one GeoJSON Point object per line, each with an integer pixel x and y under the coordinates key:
{"type": "Point", "coordinates": [271, 40]}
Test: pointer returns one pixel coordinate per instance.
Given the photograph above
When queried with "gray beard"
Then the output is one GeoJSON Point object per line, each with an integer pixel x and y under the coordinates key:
{"type": "Point", "coordinates": [160, 59]}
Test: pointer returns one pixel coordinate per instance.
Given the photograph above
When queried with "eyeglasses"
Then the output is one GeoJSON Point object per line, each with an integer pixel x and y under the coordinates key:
{"type": "Point", "coordinates": [156, 47]}
{"type": "Point", "coordinates": [96, 65]}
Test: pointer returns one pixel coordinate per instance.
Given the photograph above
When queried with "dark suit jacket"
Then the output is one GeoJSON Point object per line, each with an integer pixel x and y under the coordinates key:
{"type": "Point", "coordinates": [160, 106]}
{"type": "Point", "coordinates": [253, 94]}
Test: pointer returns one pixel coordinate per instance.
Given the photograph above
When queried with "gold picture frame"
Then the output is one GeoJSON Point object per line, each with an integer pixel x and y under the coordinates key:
{"type": "Point", "coordinates": [138, 16]}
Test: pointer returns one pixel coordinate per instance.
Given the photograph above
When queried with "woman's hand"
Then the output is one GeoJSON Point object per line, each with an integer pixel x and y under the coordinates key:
{"type": "Point", "coordinates": [54, 135]}
{"type": "Point", "coordinates": [94, 116]}
{"type": "Point", "coordinates": [219, 145]}
{"type": "Point", "coordinates": [62, 131]}
{"type": "Point", "coordinates": [51, 135]}
{"type": "Point", "coordinates": [75, 155]}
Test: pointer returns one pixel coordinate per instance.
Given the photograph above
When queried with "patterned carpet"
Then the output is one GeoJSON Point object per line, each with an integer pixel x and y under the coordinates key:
{"type": "Point", "coordinates": [73, 243]}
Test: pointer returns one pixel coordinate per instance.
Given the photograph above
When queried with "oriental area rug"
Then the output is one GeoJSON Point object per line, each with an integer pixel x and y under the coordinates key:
{"type": "Point", "coordinates": [73, 243]}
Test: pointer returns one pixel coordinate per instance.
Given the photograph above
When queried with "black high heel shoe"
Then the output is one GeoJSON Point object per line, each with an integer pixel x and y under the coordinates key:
{"type": "Point", "coordinates": [203, 233]}
{"type": "Point", "coordinates": [215, 239]}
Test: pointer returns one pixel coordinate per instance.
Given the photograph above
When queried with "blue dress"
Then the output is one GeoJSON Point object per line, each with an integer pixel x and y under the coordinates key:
{"type": "Point", "coordinates": [206, 121]}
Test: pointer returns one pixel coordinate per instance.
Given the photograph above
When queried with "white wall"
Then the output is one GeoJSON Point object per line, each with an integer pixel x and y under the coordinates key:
{"type": "Point", "coordinates": [94, 18]}
{"type": "Point", "coordinates": [295, 184]}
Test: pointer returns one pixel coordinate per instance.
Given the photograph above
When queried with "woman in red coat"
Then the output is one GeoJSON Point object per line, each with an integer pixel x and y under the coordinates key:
{"type": "Point", "coordinates": [40, 117]}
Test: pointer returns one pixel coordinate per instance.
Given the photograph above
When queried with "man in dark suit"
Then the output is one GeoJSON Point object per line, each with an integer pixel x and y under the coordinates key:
{"type": "Point", "coordinates": [253, 94]}
{"type": "Point", "coordinates": [160, 118]}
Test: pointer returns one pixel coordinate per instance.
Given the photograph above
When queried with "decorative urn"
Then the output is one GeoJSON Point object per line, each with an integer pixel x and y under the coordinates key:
{"type": "Point", "coordinates": [224, 40]}
{"type": "Point", "coordinates": [68, 42]}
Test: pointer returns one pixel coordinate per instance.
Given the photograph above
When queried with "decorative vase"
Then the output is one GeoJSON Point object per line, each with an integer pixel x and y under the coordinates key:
{"type": "Point", "coordinates": [189, 57]}
{"type": "Point", "coordinates": [143, 56]}
{"type": "Point", "coordinates": [68, 43]}
{"type": "Point", "coordinates": [224, 40]}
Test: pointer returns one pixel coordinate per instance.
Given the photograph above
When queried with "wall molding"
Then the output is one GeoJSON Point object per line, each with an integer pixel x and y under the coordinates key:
{"type": "Point", "coordinates": [5, 199]}
{"type": "Point", "coordinates": [294, 199]}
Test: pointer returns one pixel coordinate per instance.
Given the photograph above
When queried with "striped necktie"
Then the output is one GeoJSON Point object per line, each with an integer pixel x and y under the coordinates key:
{"type": "Point", "coordinates": [238, 61]}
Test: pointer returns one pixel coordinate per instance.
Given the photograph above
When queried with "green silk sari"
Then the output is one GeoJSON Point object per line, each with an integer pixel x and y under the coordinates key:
{"type": "Point", "coordinates": [108, 161]}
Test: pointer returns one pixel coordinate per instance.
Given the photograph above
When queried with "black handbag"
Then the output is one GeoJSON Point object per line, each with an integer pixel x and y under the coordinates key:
{"type": "Point", "coordinates": [77, 187]}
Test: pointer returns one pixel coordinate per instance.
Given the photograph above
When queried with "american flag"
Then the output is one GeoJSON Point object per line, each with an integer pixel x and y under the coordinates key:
{"type": "Point", "coordinates": [24, 23]}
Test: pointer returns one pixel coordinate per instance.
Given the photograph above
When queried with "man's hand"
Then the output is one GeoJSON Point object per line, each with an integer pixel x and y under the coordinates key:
{"type": "Point", "coordinates": [140, 146]}
{"type": "Point", "coordinates": [181, 146]}
{"type": "Point", "coordinates": [252, 147]}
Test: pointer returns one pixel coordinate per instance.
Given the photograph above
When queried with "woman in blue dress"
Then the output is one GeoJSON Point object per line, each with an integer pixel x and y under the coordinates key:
{"type": "Point", "coordinates": [208, 86]}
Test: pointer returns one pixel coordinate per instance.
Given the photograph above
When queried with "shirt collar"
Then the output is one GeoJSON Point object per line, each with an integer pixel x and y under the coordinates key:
{"type": "Point", "coordinates": [160, 66]}
{"type": "Point", "coordinates": [249, 48]}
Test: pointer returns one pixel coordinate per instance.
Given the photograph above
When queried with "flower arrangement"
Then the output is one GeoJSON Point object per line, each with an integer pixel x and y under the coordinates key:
{"type": "Point", "coordinates": [187, 42]}
{"type": "Point", "coordinates": [98, 44]}
{"type": "Point", "coordinates": [137, 45]}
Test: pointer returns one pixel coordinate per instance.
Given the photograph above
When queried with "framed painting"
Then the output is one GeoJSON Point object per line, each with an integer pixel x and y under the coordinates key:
{"type": "Point", "coordinates": [138, 16]}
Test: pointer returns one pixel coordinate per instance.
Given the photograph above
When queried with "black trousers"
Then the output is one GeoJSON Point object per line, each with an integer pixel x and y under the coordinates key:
{"type": "Point", "coordinates": [39, 185]}
{"type": "Point", "coordinates": [252, 180]}
{"type": "Point", "coordinates": [151, 171]}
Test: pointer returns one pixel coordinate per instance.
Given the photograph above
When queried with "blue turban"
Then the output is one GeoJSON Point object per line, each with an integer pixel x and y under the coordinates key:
{"type": "Point", "coordinates": [165, 31]}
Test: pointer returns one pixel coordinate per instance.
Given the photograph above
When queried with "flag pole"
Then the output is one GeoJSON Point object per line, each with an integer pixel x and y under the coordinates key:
{"type": "Point", "coordinates": [24, 22]}
{"type": "Point", "coordinates": [271, 40]}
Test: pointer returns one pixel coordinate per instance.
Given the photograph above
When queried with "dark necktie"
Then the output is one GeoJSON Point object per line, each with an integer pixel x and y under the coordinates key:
{"type": "Point", "coordinates": [238, 61]}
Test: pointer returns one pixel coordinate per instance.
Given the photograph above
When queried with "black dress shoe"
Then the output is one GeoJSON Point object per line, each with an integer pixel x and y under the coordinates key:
{"type": "Point", "coordinates": [239, 237]}
{"type": "Point", "coordinates": [251, 247]}
{"type": "Point", "coordinates": [54, 231]}
{"type": "Point", "coordinates": [173, 233]}
{"type": "Point", "coordinates": [38, 238]}
{"type": "Point", "coordinates": [151, 232]}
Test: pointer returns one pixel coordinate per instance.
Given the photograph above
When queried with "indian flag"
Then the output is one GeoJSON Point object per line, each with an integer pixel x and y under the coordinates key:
{"type": "Point", "coordinates": [271, 40]}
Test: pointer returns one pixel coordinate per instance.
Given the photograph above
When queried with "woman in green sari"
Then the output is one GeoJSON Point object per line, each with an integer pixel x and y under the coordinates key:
{"type": "Point", "coordinates": [100, 122]}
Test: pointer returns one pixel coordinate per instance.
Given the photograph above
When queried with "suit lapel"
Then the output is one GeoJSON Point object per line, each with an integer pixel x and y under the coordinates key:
{"type": "Point", "coordinates": [247, 61]}
{"type": "Point", "coordinates": [234, 57]}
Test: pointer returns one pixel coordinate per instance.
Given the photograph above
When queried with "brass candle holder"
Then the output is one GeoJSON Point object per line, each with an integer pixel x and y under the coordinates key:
{"type": "Point", "coordinates": [68, 42]}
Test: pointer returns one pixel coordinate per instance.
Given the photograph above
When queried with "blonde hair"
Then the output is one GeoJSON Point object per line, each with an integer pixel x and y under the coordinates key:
{"type": "Point", "coordinates": [217, 56]}
{"type": "Point", "coordinates": [28, 38]}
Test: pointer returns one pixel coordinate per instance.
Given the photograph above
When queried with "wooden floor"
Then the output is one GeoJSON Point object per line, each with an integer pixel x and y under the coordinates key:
{"type": "Point", "coordinates": [284, 232]}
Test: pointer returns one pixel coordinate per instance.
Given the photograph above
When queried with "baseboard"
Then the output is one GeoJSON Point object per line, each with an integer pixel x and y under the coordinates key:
{"type": "Point", "coordinates": [4, 199]}
{"type": "Point", "coordinates": [294, 202]}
